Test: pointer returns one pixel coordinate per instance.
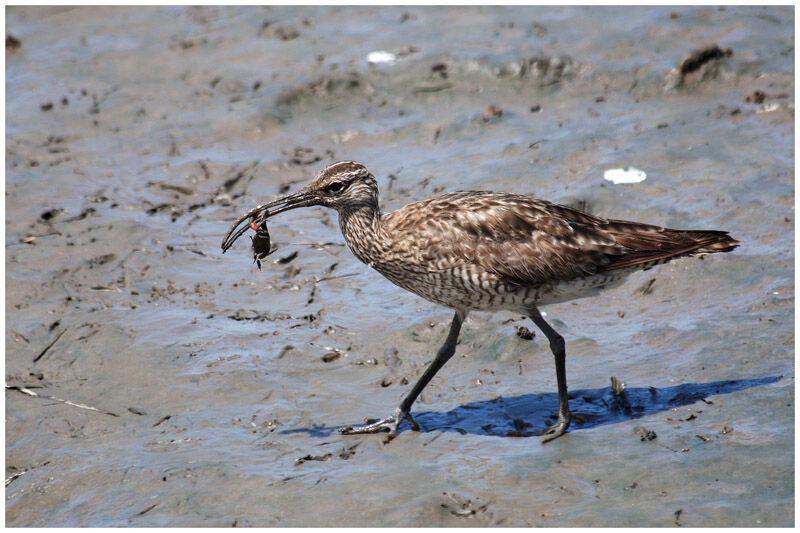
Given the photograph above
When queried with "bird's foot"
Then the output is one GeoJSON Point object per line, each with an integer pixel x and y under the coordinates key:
{"type": "Point", "coordinates": [389, 424]}
{"type": "Point", "coordinates": [557, 429]}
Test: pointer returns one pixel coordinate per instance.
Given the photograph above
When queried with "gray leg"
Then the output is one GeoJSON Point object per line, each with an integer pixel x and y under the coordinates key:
{"type": "Point", "coordinates": [403, 412]}
{"type": "Point", "coordinates": [557, 347]}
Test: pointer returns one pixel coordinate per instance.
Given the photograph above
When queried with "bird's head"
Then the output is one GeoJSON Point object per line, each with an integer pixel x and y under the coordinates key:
{"type": "Point", "coordinates": [345, 185]}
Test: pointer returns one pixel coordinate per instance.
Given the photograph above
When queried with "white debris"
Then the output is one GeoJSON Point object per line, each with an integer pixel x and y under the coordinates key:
{"type": "Point", "coordinates": [624, 175]}
{"type": "Point", "coordinates": [768, 108]}
{"type": "Point", "coordinates": [381, 56]}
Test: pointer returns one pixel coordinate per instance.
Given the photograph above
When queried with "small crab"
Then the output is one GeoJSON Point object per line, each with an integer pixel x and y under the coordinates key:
{"type": "Point", "coordinates": [257, 221]}
{"type": "Point", "coordinates": [261, 244]}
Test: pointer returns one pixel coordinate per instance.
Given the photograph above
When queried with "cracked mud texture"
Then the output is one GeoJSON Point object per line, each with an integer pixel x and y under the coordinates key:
{"type": "Point", "coordinates": [152, 381]}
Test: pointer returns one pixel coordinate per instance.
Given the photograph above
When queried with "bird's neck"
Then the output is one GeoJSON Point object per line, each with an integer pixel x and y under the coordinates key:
{"type": "Point", "coordinates": [361, 227]}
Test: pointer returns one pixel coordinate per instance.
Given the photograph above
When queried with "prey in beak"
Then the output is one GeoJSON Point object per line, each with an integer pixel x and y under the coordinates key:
{"type": "Point", "coordinates": [256, 219]}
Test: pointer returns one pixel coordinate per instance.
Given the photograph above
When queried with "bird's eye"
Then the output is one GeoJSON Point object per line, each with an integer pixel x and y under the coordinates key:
{"type": "Point", "coordinates": [334, 187]}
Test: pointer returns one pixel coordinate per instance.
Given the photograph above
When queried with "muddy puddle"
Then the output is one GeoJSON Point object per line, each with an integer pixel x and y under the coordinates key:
{"type": "Point", "coordinates": [152, 381]}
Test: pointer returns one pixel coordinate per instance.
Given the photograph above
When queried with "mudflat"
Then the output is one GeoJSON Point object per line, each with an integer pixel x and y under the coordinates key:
{"type": "Point", "coordinates": [152, 381]}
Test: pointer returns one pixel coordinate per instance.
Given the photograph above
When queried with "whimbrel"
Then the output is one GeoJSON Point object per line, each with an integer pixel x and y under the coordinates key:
{"type": "Point", "coordinates": [485, 251]}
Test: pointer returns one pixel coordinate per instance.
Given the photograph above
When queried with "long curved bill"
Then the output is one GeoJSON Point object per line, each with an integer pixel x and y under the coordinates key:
{"type": "Point", "coordinates": [255, 216]}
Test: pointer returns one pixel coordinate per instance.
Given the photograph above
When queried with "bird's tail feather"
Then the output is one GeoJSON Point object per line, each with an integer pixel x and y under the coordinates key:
{"type": "Point", "coordinates": [649, 246]}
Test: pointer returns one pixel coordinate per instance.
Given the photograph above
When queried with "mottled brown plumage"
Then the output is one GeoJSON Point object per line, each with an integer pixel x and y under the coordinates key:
{"type": "Point", "coordinates": [477, 250]}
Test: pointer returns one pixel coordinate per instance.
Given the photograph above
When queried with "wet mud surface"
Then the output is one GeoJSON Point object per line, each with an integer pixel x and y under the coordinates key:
{"type": "Point", "coordinates": [152, 381]}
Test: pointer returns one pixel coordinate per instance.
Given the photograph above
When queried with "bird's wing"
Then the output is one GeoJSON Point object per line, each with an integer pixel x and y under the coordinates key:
{"type": "Point", "coordinates": [520, 239]}
{"type": "Point", "coordinates": [526, 241]}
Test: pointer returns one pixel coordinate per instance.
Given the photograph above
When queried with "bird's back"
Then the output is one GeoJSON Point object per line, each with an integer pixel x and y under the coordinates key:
{"type": "Point", "coordinates": [484, 250]}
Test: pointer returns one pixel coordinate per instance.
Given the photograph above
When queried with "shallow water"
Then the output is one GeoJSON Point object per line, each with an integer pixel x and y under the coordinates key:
{"type": "Point", "coordinates": [164, 124]}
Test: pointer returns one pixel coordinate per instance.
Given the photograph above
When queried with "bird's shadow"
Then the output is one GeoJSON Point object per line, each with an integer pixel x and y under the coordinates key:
{"type": "Point", "coordinates": [530, 414]}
